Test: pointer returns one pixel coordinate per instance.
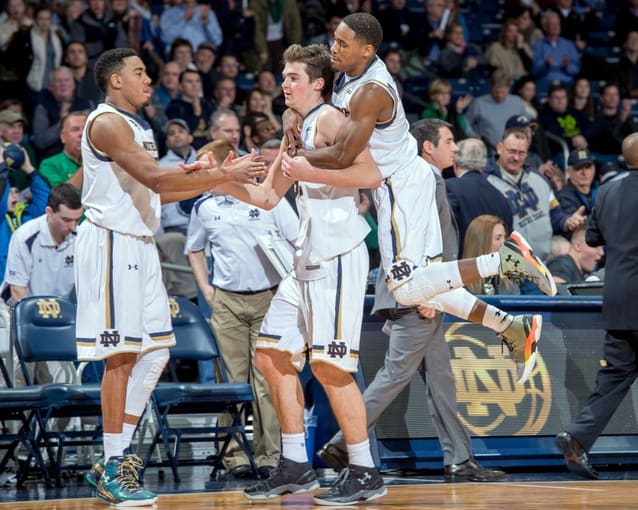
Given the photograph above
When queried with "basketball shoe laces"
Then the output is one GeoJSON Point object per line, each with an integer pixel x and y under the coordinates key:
{"type": "Point", "coordinates": [128, 474]}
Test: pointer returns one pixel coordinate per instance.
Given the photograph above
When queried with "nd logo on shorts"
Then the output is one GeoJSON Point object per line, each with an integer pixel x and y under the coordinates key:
{"type": "Point", "coordinates": [337, 349]}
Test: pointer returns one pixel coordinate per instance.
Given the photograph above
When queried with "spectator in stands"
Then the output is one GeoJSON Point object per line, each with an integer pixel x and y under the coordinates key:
{"type": "Point", "coordinates": [175, 215]}
{"type": "Point", "coordinates": [266, 81]}
{"type": "Point", "coordinates": [277, 25]}
{"type": "Point", "coordinates": [580, 261]}
{"type": "Point", "coordinates": [181, 51]}
{"type": "Point", "coordinates": [626, 20]}
{"type": "Point", "coordinates": [612, 124]}
{"type": "Point", "coordinates": [440, 92]}
{"type": "Point", "coordinates": [65, 166]}
{"type": "Point", "coordinates": [225, 95]}
{"type": "Point", "coordinates": [98, 29]}
{"type": "Point", "coordinates": [14, 212]}
{"type": "Point", "coordinates": [12, 127]}
{"type": "Point", "coordinates": [554, 57]}
{"type": "Point", "coordinates": [535, 210]}
{"type": "Point", "coordinates": [14, 18]}
{"type": "Point", "coordinates": [131, 22]}
{"type": "Point", "coordinates": [393, 62]}
{"type": "Point", "coordinates": [36, 51]}
{"type": "Point", "coordinates": [327, 37]}
{"type": "Point", "coordinates": [559, 118]}
{"type": "Point", "coordinates": [204, 60]}
{"type": "Point", "coordinates": [238, 31]}
{"type": "Point", "coordinates": [581, 98]}
{"type": "Point", "coordinates": [193, 20]}
{"type": "Point", "coordinates": [224, 125]}
{"type": "Point", "coordinates": [456, 17]}
{"type": "Point", "coordinates": [431, 45]}
{"type": "Point", "coordinates": [538, 153]}
{"type": "Point", "coordinates": [579, 191]}
{"type": "Point", "coordinates": [527, 27]}
{"type": "Point", "coordinates": [573, 24]}
{"type": "Point", "coordinates": [259, 101]}
{"type": "Point", "coordinates": [510, 54]}
{"type": "Point", "coordinates": [168, 87]}
{"type": "Point", "coordinates": [399, 25]}
{"type": "Point", "coordinates": [228, 68]}
{"type": "Point", "coordinates": [71, 11]}
{"type": "Point", "coordinates": [257, 130]}
{"type": "Point", "coordinates": [239, 298]}
{"type": "Point", "coordinates": [487, 114]}
{"type": "Point", "coordinates": [77, 60]}
{"type": "Point", "coordinates": [459, 58]}
{"type": "Point", "coordinates": [40, 258]}
{"type": "Point", "coordinates": [469, 192]}
{"type": "Point", "coordinates": [59, 100]}
{"type": "Point", "coordinates": [525, 88]}
{"type": "Point", "coordinates": [192, 107]}
{"type": "Point", "coordinates": [485, 233]}
{"type": "Point", "coordinates": [628, 67]}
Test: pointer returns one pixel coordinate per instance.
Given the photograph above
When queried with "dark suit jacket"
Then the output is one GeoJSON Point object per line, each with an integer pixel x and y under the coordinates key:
{"type": "Point", "coordinates": [472, 195]}
{"type": "Point", "coordinates": [614, 223]}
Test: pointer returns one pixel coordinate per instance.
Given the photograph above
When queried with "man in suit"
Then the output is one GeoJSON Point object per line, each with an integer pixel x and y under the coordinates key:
{"type": "Point", "coordinates": [615, 200]}
{"type": "Point", "coordinates": [469, 193]}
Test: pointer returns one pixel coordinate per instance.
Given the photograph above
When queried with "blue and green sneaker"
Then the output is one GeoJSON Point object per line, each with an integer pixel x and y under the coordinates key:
{"type": "Point", "coordinates": [119, 484]}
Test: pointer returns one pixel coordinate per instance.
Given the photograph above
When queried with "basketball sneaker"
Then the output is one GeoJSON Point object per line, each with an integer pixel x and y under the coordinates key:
{"type": "Point", "coordinates": [95, 473]}
{"type": "Point", "coordinates": [518, 261]}
{"type": "Point", "coordinates": [521, 338]}
{"type": "Point", "coordinates": [333, 456]}
{"type": "Point", "coordinates": [355, 484]}
{"type": "Point", "coordinates": [289, 477]}
{"type": "Point", "coordinates": [120, 484]}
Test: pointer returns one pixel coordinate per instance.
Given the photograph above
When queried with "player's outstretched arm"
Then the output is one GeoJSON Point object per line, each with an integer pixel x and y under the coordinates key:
{"type": "Point", "coordinates": [370, 104]}
{"type": "Point", "coordinates": [111, 135]}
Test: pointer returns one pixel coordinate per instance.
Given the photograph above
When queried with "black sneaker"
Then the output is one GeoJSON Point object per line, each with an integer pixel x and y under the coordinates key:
{"type": "Point", "coordinates": [353, 485]}
{"type": "Point", "coordinates": [289, 477]}
{"type": "Point", "coordinates": [333, 456]}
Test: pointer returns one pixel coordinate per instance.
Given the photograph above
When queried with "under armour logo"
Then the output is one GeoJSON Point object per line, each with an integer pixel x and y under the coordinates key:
{"type": "Point", "coordinates": [399, 271]}
{"type": "Point", "coordinates": [364, 478]}
{"type": "Point", "coordinates": [110, 338]}
{"type": "Point", "coordinates": [253, 214]}
{"type": "Point", "coordinates": [337, 349]}
{"type": "Point", "coordinates": [132, 267]}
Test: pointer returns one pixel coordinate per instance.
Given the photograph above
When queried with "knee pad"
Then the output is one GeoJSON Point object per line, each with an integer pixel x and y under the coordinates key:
{"type": "Point", "coordinates": [458, 302]}
{"type": "Point", "coordinates": [143, 380]}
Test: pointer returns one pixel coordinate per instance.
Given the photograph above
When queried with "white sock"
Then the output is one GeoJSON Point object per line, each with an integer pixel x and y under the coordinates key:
{"type": "Point", "coordinates": [496, 319]}
{"type": "Point", "coordinates": [488, 265]}
{"type": "Point", "coordinates": [112, 445]}
{"type": "Point", "coordinates": [359, 454]}
{"type": "Point", "coordinates": [293, 447]}
{"type": "Point", "coordinates": [127, 434]}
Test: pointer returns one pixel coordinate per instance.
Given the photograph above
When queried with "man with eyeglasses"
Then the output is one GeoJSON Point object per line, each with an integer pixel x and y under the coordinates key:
{"type": "Point", "coordinates": [535, 209]}
{"type": "Point", "coordinates": [579, 192]}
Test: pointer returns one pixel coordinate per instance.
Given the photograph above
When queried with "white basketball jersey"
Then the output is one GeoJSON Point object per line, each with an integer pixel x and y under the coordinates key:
{"type": "Point", "coordinates": [330, 223]}
{"type": "Point", "coordinates": [112, 197]}
{"type": "Point", "coordinates": [391, 144]}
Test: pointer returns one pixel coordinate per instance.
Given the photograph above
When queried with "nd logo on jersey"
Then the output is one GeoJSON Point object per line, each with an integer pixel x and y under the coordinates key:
{"type": "Point", "coordinates": [487, 393]}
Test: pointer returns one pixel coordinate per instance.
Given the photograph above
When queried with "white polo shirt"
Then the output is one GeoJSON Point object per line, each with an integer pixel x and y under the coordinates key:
{"type": "Point", "coordinates": [231, 228]}
{"type": "Point", "coordinates": [37, 263]}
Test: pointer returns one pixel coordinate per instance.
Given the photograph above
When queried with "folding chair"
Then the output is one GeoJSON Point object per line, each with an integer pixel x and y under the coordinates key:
{"type": "Point", "coordinates": [195, 341]}
{"type": "Point", "coordinates": [43, 329]}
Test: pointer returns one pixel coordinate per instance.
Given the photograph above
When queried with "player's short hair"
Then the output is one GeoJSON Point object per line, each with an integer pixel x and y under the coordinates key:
{"type": "Point", "coordinates": [317, 60]}
{"type": "Point", "coordinates": [219, 148]}
{"type": "Point", "coordinates": [428, 129]}
{"type": "Point", "coordinates": [110, 62]}
{"type": "Point", "coordinates": [366, 27]}
{"type": "Point", "coordinates": [64, 194]}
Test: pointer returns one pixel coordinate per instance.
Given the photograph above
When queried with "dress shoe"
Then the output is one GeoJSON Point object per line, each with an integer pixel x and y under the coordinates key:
{"type": "Point", "coordinates": [472, 471]}
{"type": "Point", "coordinates": [333, 456]}
{"type": "Point", "coordinates": [575, 456]}
{"type": "Point", "coordinates": [243, 471]}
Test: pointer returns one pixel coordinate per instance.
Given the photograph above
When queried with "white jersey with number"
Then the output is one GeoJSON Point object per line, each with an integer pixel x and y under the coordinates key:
{"type": "Point", "coordinates": [112, 197]}
{"type": "Point", "coordinates": [330, 223]}
{"type": "Point", "coordinates": [389, 135]}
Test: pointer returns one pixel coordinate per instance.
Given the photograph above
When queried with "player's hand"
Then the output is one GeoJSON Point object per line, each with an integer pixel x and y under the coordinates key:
{"type": "Point", "coordinates": [205, 162]}
{"type": "Point", "coordinates": [297, 168]}
{"type": "Point", "coordinates": [427, 312]}
{"type": "Point", "coordinates": [291, 124]}
{"type": "Point", "coordinates": [244, 169]}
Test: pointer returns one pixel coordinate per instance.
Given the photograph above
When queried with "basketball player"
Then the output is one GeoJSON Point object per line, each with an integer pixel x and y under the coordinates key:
{"type": "Point", "coordinates": [409, 230]}
{"type": "Point", "coordinates": [320, 309]}
{"type": "Point", "coordinates": [122, 311]}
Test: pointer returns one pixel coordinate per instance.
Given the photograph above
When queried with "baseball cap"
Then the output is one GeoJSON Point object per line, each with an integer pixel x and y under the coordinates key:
{"type": "Point", "coordinates": [179, 122]}
{"type": "Point", "coordinates": [10, 116]}
{"type": "Point", "coordinates": [579, 158]}
{"type": "Point", "coordinates": [519, 121]}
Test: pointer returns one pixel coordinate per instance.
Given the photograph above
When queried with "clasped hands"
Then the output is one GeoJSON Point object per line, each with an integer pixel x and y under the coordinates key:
{"type": "Point", "coordinates": [244, 169]}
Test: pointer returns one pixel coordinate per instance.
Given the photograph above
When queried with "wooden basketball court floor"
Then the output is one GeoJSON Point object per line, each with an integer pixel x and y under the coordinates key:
{"type": "Point", "coordinates": [559, 491]}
